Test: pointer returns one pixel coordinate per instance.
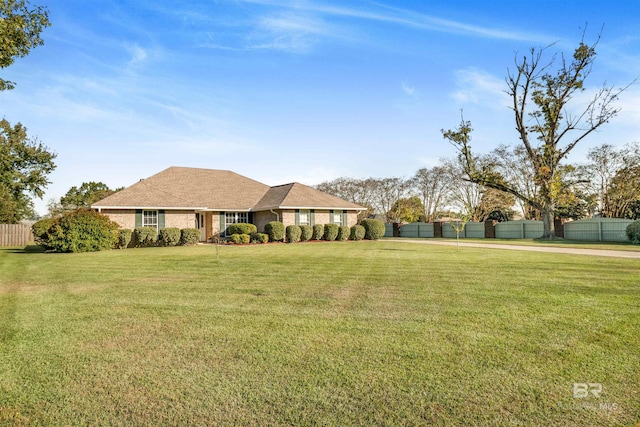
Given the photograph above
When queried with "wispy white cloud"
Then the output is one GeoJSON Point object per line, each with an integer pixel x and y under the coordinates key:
{"type": "Point", "coordinates": [478, 87]}
{"type": "Point", "coordinates": [409, 90]}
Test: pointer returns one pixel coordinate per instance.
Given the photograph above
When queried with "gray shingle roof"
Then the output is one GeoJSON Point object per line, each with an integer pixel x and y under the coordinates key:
{"type": "Point", "coordinates": [193, 188]}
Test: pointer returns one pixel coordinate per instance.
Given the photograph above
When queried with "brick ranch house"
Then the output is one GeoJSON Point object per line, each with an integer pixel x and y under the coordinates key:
{"type": "Point", "coordinates": [210, 200]}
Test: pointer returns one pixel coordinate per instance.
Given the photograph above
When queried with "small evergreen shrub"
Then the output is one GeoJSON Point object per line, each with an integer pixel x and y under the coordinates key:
{"type": "Point", "coordinates": [189, 236]}
{"type": "Point", "coordinates": [240, 239]}
{"type": "Point", "coordinates": [170, 236]}
{"type": "Point", "coordinates": [331, 232]}
{"type": "Point", "coordinates": [41, 231]}
{"type": "Point", "coordinates": [293, 233]}
{"type": "Point", "coordinates": [306, 232]}
{"type": "Point", "coordinates": [318, 232]}
{"type": "Point", "coordinates": [241, 228]}
{"type": "Point", "coordinates": [259, 238]}
{"type": "Point", "coordinates": [124, 238]}
{"type": "Point", "coordinates": [374, 229]}
{"type": "Point", "coordinates": [357, 232]}
{"type": "Point", "coordinates": [343, 233]}
{"type": "Point", "coordinates": [633, 232]}
{"type": "Point", "coordinates": [82, 230]}
{"type": "Point", "coordinates": [145, 236]}
{"type": "Point", "coordinates": [275, 230]}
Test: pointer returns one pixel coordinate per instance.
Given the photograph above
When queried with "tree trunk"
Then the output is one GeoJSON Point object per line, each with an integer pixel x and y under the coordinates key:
{"type": "Point", "coordinates": [548, 215]}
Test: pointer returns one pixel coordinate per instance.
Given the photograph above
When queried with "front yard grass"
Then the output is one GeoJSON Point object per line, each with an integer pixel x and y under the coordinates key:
{"type": "Point", "coordinates": [356, 333]}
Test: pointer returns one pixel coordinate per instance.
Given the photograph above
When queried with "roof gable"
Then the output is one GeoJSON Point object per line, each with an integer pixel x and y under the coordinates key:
{"type": "Point", "coordinates": [296, 195]}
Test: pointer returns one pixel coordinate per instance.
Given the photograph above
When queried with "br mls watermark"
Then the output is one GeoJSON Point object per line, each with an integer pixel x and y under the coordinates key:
{"type": "Point", "coordinates": [589, 395]}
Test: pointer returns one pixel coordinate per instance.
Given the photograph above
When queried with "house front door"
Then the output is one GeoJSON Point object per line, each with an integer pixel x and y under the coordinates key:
{"type": "Point", "coordinates": [201, 226]}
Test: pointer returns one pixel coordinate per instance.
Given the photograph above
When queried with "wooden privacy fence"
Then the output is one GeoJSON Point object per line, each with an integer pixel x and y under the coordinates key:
{"type": "Point", "coordinates": [15, 234]}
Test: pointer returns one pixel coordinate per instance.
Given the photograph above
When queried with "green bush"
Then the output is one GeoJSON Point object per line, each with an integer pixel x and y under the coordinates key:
{"type": "Point", "coordinates": [275, 230]}
{"type": "Point", "coordinates": [82, 230]}
{"type": "Point", "coordinates": [124, 238]}
{"type": "Point", "coordinates": [331, 232]}
{"type": "Point", "coordinates": [306, 232]}
{"type": "Point", "coordinates": [343, 233]}
{"type": "Point", "coordinates": [357, 232]}
{"type": "Point", "coordinates": [189, 236]}
{"type": "Point", "coordinates": [145, 236]}
{"type": "Point", "coordinates": [293, 233]}
{"type": "Point", "coordinates": [633, 232]}
{"type": "Point", "coordinates": [41, 231]}
{"type": "Point", "coordinates": [241, 228]}
{"type": "Point", "coordinates": [170, 236]}
{"type": "Point", "coordinates": [240, 239]}
{"type": "Point", "coordinates": [374, 229]}
{"type": "Point", "coordinates": [259, 238]}
{"type": "Point", "coordinates": [318, 232]}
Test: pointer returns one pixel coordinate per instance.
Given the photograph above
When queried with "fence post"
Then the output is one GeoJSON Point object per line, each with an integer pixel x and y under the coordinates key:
{"type": "Point", "coordinates": [490, 229]}
{"type": "Point", "coordinates": [437, 229]}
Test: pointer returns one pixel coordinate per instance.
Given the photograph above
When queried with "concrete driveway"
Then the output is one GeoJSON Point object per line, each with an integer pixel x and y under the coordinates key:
{"type": "Point", "coordinates": [549, 249]}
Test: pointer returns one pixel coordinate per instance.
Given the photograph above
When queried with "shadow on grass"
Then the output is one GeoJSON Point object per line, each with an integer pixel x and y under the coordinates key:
{"type": "Point", "coordinates": [29, 249]}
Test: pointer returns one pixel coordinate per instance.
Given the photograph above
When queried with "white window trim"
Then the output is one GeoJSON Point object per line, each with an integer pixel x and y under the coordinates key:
{"type": "Point", "coordinates": [307, 213]}
{"type": "Point", "coordinates": [144, 217]}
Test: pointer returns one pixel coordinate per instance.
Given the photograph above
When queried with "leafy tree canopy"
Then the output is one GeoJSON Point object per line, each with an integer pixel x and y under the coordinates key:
{"type": "Point", "coordinates": [20, 28]}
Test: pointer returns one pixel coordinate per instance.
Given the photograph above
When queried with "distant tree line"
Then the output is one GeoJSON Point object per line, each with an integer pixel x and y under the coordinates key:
{"type": "Point", "coordinates": [607, 185]}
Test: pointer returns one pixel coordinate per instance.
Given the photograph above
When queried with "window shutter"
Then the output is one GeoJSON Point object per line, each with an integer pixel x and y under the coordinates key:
{"type": "Point", "coordinates": [312, 217]}
{"type": "Point", "coordinates": [250, 217]}
{"type": "Point", "coordinates": [223, 224]}
{"type": "Point", "coordinates": [138, 218]}
{"type": "Point", "coordinates": [160, 219]}
{"type": "Point", "coordinates": [297, 217]}
{"type": "Point", "coordinates": [344, 218]}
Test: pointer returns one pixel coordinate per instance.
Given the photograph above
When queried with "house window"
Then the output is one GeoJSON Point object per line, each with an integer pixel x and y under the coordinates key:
{"type": "Point", "coordinates": [236, 217]}
{"type": "Point", "coordinates": [304, 217]}
{"type": "Point", "coordinates": [336, 217]}
{"type": "Point", "coordinates": [150, 219]}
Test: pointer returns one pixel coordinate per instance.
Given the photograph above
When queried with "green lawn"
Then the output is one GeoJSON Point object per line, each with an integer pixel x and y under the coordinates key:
{"type": "Point", "coordinates": [367, 333]}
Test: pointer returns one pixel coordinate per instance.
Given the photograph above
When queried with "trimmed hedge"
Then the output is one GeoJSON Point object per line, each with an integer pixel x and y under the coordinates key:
{"type": "Point", "coordinates": [41, 231]}
{"type": "Point", "coordinates": [374, 229]}
{"type": "Point", "coordinates": [357, 232]}
{"type": "Point", "coordinates": [331, 232]}
{"type": "Point", "coordinates": [145, 236]}
{"type": "Point", "coordinates": [82, 230]}
{"type": "Point", "coordinates": [306, 233]}
{"type": "Point", "coordinates": [633, 232]}
{"type": "Point", "coordinates": [242, 228]}
{"type": "Point", "coordinates": [124, 238]}
{"type": "Point", "coordinates": [170, 236]}
{"type": "Point", "coordinates": [343, 233]}
{"type": "Point", "coordinates": [293, 233]}
{"type": "Point", "coordinates": [240, 239]}
{"type": "Point", "coordinates": [189, 236]}
{"type": "Point", "coordinates": [259, 238]}
{"type": "Point", "coordinates": [275, 230]}
{"type": "Point", "coordinates": [318, 232]}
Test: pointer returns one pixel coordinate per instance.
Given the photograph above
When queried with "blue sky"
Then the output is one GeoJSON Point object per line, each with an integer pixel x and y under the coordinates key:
{"type": "Point", "coordinates": [303, 91]}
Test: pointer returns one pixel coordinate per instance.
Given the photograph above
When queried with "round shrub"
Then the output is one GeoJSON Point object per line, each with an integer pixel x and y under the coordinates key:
{"type": "Point", "coordinates": [306, 232]}
{"type": "Point", "coordinates": [374, 229]}
{"type": "Point", "coordinates": [331, 232]}
{"type": "Point", "coordinates": [240, 239]}
{"type": "Point", "coordinates": [242, 228]}
{"type": "Point", "coordinates": [145, 236]}
{"type": "Point", "coordinates": [633, 232]}
{"type": "Point", "coordinates": [124, 238]}
{"type": "Point", "coordinates": [82, 230]}
{"type": "Point", "coordinates": [293, 233]}
{"type": "Point", "coordinates": [357, 232]}
{"type": "Point", "coordinates": [343, 233]}
{"type": "Point", "coordinates": [170, 236]}
{"type": "Point", "coordinates": [275, 230]}
{"type": "Point", "coordinates": [259, 238]}
{"type": "Point", "coordinates": [189, 236]}
{"type": "Point", "coordinates": [318, 232]}
{"type": "Point", "coordinates": [41, 231]}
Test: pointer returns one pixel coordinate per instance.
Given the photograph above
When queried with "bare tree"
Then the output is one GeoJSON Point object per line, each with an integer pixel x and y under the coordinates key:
{"type": "Point", "coordinates": [547, 126]}
{"type": "Point", "coordinates": [431, 186]}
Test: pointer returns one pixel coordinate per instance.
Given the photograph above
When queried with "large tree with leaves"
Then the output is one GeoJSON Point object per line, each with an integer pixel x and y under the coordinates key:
{"type": "Point", "coordinates": [24, 166]}
{"type": "Point", "coordinates": [20, 28]}
{"type": "Point", "coordinates": [549, 124]}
